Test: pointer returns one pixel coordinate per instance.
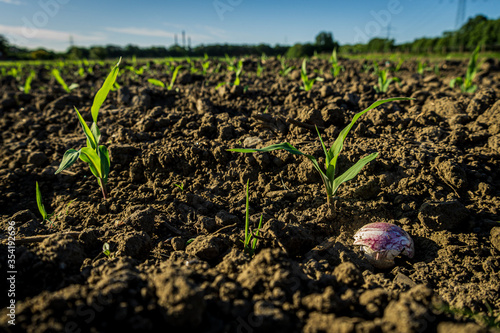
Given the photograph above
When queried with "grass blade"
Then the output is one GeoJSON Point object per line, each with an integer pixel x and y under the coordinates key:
{"type": "Point", "coordinates": [39, 203]}
{"type": "Point", "coordinates": [247, 219]}
{"type": "Point", "coordinates": [254, 243]}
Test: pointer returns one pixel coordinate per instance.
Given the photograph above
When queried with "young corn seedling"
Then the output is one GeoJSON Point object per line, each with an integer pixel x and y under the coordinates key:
{"type": "Point", "coordinates": [308, 83]}
{"type": "Point", "coordinates": [398, 66]}
{"type": "Point", "coordinates": [205, 65]}
{"type": "Point", "coordinates": [466, 83]}
{"type": "Point", "coordinates": [260, 69]}
{"type": "Point", "coordinates": [41, 207]}
{"type": "Point", "coordinates": [174, 77]}
{"type": "Point", "coordinates": [251, 238]}
{"type": "Point", "coordinates": [107, 251]}
{"type": "Point", "coordinates": [27, 85]}
{"type": "Point", "coordinates": [95, 155]}
{"type": "Point", "coordinates": [192, 66]}
{"type": "Point", "coordinates": [43, 212]}
{"type": "Point", "coordinates": [285, 69]}
{"type": "Point", "coordinates": [330, 181]}
{"type": "Point", "coordinates": [336, 68]}
{"type": "Point", "coordinates": [60, 80]}
{"type": "Point", "coordinates": [383, 81]}
{"type": "Point", "coordinates": [420, 68]}
{"type": "Point", "coordinates": [237, 71]}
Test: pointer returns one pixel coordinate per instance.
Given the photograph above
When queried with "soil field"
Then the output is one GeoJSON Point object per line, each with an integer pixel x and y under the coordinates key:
{"type": "Point", "coordinates": [175, 217]}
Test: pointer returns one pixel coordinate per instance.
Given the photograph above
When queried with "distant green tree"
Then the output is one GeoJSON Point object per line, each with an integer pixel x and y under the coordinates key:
{"type": "Point", "coordinates": [42, 54]}
{"type": "Point", "coordinates": [300, 51]}
{"type": "Point", "coordinates": [77, 53]}
{"type": "Point", "coordinates": [98, 52]}
{"type": "Point", "coordinates": [4, 47]}
{"type": "Point", "coordinates": [324, 42]}
{"type": "Point", "coordinates": [380, 45]}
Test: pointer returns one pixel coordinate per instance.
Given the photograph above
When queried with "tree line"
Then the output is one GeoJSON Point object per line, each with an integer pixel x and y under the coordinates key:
{"type": "Point", "coordinates": [478, 30]}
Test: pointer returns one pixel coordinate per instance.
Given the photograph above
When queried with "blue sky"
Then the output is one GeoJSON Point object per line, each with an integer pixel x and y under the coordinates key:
{"type": "Point", "coordinates": [49, 23]}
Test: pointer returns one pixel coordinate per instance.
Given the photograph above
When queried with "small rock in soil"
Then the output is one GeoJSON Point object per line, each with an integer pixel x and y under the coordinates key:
{"type": "Point", "coordinates": [224, 218]}
{"type": "Point", "coordinates": [326, 91]}
{"type": "Point", "coordinates": [142, 220]}
{"type": "Point", "coordinates": [491, 117]}
{"type": "Point", "coordinates": [207, 247]}
{"type": "Point", "coordinates": [292, 237]}
{"type": "Point", "coordinates": [206, 224]}
{"type": "Point", "coordinates": [495, 237]}
{"type": "Point", "coordinates": [443, 215]}
{"type": "Point", "coordinates": [412, 311]}
{"type": "Point", "coordinates": [62, 249]}
{"type": "Point", "coordinates": [181, 299]}
{"type": "Point", "coordinates": [374, 301]}
{"type": "Point", "coordinates": [178, 243]}
{"type": "Point", "coordinates": [481, 101]}
{"type": "Point", "coordinates": [451, 173]}
{"type": "Point", "coordinates": [347, 273]}
{"type": "Point", "coordinates": [133, 244]}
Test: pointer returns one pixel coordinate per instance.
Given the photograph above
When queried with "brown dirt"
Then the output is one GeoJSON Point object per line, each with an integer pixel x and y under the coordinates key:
{"type": "Point", "coordinates": [437, 176]}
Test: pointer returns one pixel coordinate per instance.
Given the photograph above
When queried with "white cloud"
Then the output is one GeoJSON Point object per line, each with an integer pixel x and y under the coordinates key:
{"type": "Point", "coordinates": [34, 37]}
{"type": "Point", "coordinates": [11, 2]}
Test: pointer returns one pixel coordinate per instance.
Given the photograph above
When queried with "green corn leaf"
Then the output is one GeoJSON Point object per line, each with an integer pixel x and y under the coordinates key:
{"type": "Point", "coordinates": [88, 133]}
{"type": "Point", "coordinates": [101, 95]}
{"type": "Point", "coordinates": [285, 146]}
{"type": "Point", "coordinates": [105, 162]}
{"type": "Point", "coordinates": [95, 132]}
{"type": "Point", "coordinates": [327, 155]}
{"type": "Point", "coordinates": [70, 157]}
{"type": "Point", "coordinates": [58, 77]}
{"type": "Point", "coordinates": [27, 84]}
{"type": "Point", "coordinates": [472, 67]}
{"type": "Point", "coordinates": [39, 203]}
{"type": "Point", "coordinates": [174, 77]}
{"type": "Point", "coordinates": [457, 80]}
{"type": "Point", "coordinates": [352, 171]}
{"type": "Point", "coordinates": [157, 83]}
{"type": "Point", "coordinates": [471, 89]}
{"type": "Point", "coordinates": [89, 156]}
{"type": "Point", "coordinates": [339, 142]}
{"type": "Point", "coordinates": [330, 168]}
